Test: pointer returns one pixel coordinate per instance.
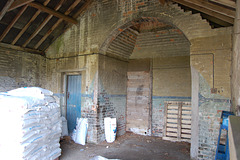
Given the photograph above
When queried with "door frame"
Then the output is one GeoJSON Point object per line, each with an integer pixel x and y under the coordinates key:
{"type": "Point", "coordinates": [64, 83]}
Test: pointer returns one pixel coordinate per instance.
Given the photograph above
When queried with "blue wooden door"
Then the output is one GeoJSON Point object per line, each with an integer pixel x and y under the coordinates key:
{"type": "Point", "coordinates": [73, 100]}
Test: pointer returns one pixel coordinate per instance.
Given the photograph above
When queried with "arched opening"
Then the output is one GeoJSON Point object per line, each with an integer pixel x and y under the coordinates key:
{"type": "Point", "coordinates": [159, 77]}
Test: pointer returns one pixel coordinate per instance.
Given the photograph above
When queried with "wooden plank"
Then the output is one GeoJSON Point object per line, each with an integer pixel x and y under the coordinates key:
{"type": "Point", "coordinates": [186, 136]}
{"type": "Point", "coordinates": [187, 112]}
{"type": "Point", "coordinates": [186, 117]}
{"type": "Point", "coordinates": [172, 134]}
{"type": "Point", "coordinates": [179, 121]}
{"type": "Point", "coordinates": [186, 126]}
{"type": "Point", "coordinates": [198, 6]}
{"type": "Point", "coordinates": [53, 12]}
{"type": "Point", "coordinates": [187, 108]}
{"type": "Point", "coordinates": [59, 21]}
{"type": "Point", "coordinates": [172, 120]}
{"type": "Point", "coordinates": [186, 131]}
{"type": "Point", "coordinates": [162, 2]}
{"type": "Point", "coordinates": [228, 3]}
{"type": "Point", "coordinates": [18, 3]}
{"type": "Point", "coordinates": [5, 8]}
{"type": "Point", "coordinates": [40, 27]}
{"type": "Point", "coordinates": [28, 24]}
{"type": "Point", "coordinates": [9, 46]}
{"type": "Point", "coordinates": [172, 111]}
{"type": "Point", "coordinates": [165, 119]}
{"type": "Point", "coordinates": [186, 121]}
{"type": "Point", "coordinates": [172, 130]}
{"type": "Point", "coordinates": [171, 116]}
{"type": "Point", "coordinates": [173, 107]}
{"type": "Point", "coordinates": [5, 32]}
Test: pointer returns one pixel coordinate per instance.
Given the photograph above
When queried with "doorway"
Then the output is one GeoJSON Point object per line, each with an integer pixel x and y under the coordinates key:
{"type": "Point", "coordinates": [73, 98]}
{"type": "Point", "coordinates": [138, 102]}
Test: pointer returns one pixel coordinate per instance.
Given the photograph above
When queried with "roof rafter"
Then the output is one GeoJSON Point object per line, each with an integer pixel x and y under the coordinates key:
{"type": "Point", "coordinates": [13, 22]}
{"type": "Point", "coordinates": [28, 24]}
{"type": "Point", "coordinates": [40, 27]}
{"type": "Point", "coordinates": [18, 3]}
{"type": "Point", "coordinates": [81, 10]}
{"type": "Point", "coordinates": [5, 8]}
{"type": "Point", "coordinates": [216, 11]}
{"type": "Point", "coordinates": [53, 12]}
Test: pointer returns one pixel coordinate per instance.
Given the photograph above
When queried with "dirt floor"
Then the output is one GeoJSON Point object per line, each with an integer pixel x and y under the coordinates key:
{"type": "Point", "coordinates": [127, 147]}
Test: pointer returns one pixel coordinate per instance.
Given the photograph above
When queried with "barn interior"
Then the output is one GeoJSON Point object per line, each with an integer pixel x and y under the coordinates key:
{"type": "Point", "coordinates": [162, 68]}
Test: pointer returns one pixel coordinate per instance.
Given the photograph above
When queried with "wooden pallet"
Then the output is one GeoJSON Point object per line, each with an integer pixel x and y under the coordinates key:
{"type": "Point", "coordinates": [177, 121]}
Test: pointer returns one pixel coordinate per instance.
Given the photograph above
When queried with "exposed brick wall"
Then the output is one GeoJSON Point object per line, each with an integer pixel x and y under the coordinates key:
{"type": "Point", "coordinates": [112, 94]}
{"type": "Point", "coordinates": [104, 21]}
{"type": "Point", "coordinates": [21, 69]}
{"type": "Point", "coordinates": [210, 109]}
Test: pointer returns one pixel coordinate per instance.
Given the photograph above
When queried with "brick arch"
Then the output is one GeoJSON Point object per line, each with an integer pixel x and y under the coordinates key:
{"type": "Point", "coordinates": [190, 25]}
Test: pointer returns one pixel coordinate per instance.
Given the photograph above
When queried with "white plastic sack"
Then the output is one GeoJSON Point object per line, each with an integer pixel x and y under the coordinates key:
{"type": "Point", "coordinates": [64, 127]}
{"type": "Point", "coordinates": [110, 125]}
{"type": "Point", "coordinates": [81, 131]}
{"type": "Point", "coordinates": [36, 92]}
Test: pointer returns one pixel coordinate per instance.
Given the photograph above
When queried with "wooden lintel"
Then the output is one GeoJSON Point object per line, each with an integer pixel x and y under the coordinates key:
{"type": "Point", "coordinates": [5, 32]}
{"type": "Point", "coordinates": [18, 3]}
{"type": "Point", "coordinates": [53, 12]}
{"type": "Point", "coordinates": [202, 7]}
{"type": "Point", "coordinates": [5, 8]}
{"type": "Point", "coordinates": [34, 51]}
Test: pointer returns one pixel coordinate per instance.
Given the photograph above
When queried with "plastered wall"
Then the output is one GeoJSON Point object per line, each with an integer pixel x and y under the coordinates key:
{"type": "Point", "coordinates": [21, 69]}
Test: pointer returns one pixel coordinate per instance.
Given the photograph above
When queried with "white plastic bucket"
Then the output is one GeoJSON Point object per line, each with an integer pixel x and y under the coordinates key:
{"type": "Point", "coordinates": [110, 125]}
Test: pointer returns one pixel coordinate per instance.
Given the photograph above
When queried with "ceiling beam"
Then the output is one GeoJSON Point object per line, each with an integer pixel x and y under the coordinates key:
{"type": "Point", "coordinates": [45, 21]}
{"type": "Point", "coordinates": [228, 3]}
{"type": "Point", "coordinates": [53, 12]}
{"type": "Point", "coordinates": [9, 46]}
{"type": "Point", "coordinates": [5, 8]}
{"type": "Point", "coordinates": [5, 32]}
{"type": "Point", "coordinates": [203, 6]}
{"type": "Point", "coordinates": [60, 20]}
{"type": "Point", "coordinates": [28, 24]}
{"type": "Point", "coordinates": [18, 3]}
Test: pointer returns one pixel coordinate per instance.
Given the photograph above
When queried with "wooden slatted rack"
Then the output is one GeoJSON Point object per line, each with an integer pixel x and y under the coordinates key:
{"type": "Point", "coordinates": [177, 121]}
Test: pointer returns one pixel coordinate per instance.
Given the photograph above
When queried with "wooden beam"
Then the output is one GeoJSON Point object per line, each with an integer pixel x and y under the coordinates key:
{"type": "Point", "coordinates": [5, 8]}
{"type": "Point", "coordinates": [9, 46]}
{"type": "Point", "coordinates": [40, 27]}
{"type": "Point", "coordinates": [202, 7]}
{"type": "Point", "coordinates": [28, 24]}
{"type": "Point", "coordinates": [13, 22]}
{"type": "Point", "coordinates": [162, 2]}
{"type": "Point", "coordinates": [228, 3]}
{"type": "Point", "coordinates": [18, 3]}
{"type": "Point", "coordinates": [60, 20]}
{"type": "Point", "coordinates": [53, 12]}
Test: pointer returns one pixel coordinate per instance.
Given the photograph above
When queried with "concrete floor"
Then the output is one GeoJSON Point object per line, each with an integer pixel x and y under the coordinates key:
{"type": "Point", "coordinates": [127, 147]}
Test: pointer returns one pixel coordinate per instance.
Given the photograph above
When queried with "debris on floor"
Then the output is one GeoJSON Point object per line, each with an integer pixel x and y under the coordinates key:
{"type": "Point", "coordinates": [127, 147]}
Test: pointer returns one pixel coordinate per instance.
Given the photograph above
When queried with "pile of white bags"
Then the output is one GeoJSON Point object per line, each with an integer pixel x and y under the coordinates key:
{"type": "Point", "coordinates": [80, 133]}
{"type": "Point", "coordinates": [30, 125]}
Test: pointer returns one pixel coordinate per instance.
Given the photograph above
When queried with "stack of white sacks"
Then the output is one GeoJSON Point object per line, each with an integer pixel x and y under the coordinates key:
{"type": "Point", "coordinates": [30, 125]}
